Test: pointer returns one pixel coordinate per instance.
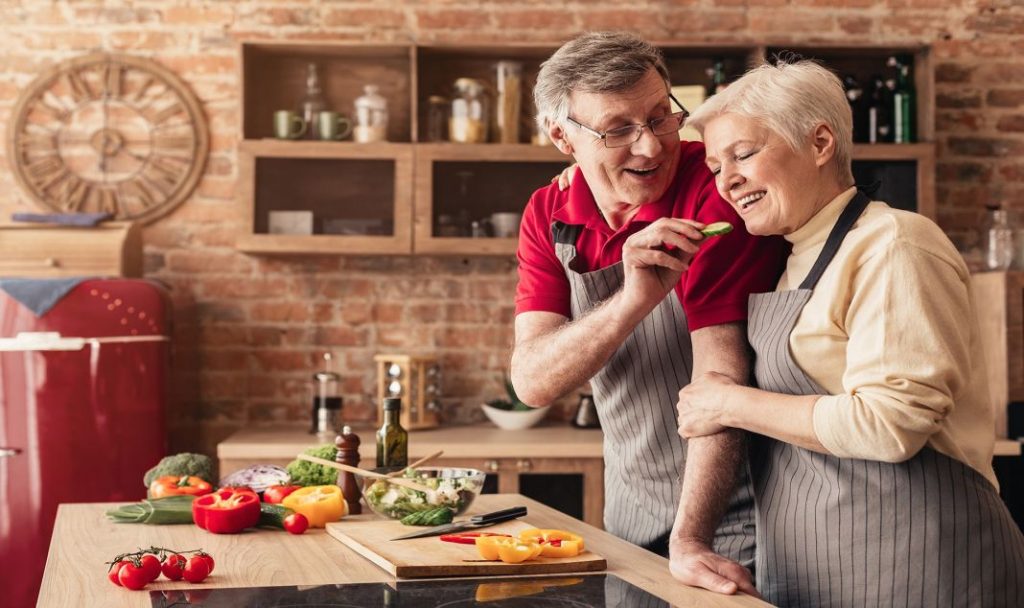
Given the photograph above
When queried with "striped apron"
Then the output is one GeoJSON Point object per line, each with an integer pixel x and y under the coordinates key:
{"type": "Point", "coordinates": [831, 531]}
{"type": "Point", "coordinates": [635, 394]}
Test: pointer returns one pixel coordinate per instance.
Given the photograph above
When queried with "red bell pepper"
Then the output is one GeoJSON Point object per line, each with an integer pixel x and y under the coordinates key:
{"type": "Point", "coordinates": [227, 511]}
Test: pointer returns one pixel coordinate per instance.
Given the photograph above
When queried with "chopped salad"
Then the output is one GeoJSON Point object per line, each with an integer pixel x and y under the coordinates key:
{"type": "Point", "coordinates": [395, 501]}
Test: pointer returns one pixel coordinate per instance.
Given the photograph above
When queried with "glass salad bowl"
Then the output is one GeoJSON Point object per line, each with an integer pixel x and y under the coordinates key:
{"type": "Point", "coordinates": [449, 487]}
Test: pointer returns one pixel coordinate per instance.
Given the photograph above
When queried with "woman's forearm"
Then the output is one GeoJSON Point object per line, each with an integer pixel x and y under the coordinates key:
{"type": "Point", "coordinates": [788, 418]}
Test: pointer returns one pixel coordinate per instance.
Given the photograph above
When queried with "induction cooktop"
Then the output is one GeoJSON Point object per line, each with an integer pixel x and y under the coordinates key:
{"type": "Point", "coordinates": [584, 591]}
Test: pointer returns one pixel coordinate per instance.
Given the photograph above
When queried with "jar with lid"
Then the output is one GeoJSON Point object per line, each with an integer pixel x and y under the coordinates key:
{"type": "Point", "coordinates": [371, 116]}
{"type": "Point", "coordinates": [509, 105]}
{"type": "Point", "coordinates": [997, 238]}
{"type": "Point", "coordinates": [327, 402]}
{"type": "Point", "coordinates": [437, 118]}
{"type": "Point", "coordinates": [470, 113]}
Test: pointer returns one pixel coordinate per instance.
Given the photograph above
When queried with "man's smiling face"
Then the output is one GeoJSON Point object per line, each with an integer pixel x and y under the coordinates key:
{"type": "Point", "coordinates": [629, 176]}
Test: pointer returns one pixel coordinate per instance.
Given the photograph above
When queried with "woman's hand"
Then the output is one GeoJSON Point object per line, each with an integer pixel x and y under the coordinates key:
{"type": "Point", "coordinates": [564, 178]}
{"type": "Point", "coordinates": [702, 404]}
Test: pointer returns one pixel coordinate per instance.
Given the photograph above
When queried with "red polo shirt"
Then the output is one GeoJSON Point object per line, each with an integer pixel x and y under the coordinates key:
{"type": "Point", "coordinates": [712, 291]}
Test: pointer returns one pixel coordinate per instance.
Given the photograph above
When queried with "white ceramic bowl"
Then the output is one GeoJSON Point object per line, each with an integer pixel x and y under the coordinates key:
{"type": "Point", "coordinates": [514, 421]}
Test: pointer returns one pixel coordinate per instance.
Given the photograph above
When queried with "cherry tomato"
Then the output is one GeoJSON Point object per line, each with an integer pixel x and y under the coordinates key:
{"type": "Point", "coordinates": [132, 577]}
{"type": "Point", "coordinates": [114, 570]}
{"type": "Point", "coordinates": [196, 569]}
{"type": "Point", "coordinates": [208, 558]}
{"type": "Point", "coordinates": [174, 566]}
{"type": "Point", "coordinates": [151, 566]}
{"type": "Point", "coordinates": [296, 523]}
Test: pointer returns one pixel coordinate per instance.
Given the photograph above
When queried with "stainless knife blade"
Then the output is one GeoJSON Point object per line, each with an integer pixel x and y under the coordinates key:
{"type": "Point", "coordinates": [477, 521]}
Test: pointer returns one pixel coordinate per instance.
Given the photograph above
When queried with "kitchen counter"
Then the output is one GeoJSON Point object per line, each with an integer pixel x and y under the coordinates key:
{"type": "Point", "coordinates": [83, 539]}
{"type": "Point", "coordinates": [474, 441]}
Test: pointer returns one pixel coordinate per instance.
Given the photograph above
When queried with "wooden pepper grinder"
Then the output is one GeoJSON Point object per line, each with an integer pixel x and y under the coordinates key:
{"type": "Point", "coordinates": [348, 453]}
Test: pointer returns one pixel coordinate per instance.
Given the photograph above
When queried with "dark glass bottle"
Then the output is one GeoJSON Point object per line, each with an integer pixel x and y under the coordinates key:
{"type": "Point", "coordinates": [904, 98]}
{"type": "Point", "coordinates": [879, 112]}
{"type": "Point", "coordinates": [392, 439]}
{"type": "Point", "coordinates": [716, 75]}
{"type": "Point", "coordinates": [858, 107]}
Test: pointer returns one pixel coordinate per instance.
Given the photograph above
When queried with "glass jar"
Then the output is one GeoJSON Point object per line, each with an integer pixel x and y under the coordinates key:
{"type": "Point", "coordinates": [509, 105]}
{"type": "Point", "coordinates": [997, 239]}
{"type": "Point", "coordinates": [470, 114]}
{"type": "Point", "coordinates": [437, 118]}
{"type": "Point", "coordinates": [313, 102]}
{"type": "Point", "coordinates": [371, 116]}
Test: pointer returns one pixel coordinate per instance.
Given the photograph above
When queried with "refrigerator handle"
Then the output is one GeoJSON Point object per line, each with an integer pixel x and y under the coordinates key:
{"type": "Point", "coordinates": [8, 452]}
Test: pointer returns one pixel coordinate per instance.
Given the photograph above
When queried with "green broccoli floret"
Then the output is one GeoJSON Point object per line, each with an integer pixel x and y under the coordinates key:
{"type": "Point", "coordinates": [185, 463]}
{"type": "Point", "coordinates": [305, 473]}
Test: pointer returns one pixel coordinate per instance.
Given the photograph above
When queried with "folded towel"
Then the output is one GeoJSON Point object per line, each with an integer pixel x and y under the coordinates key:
{"type": "Point", "coordinates": [39, 295]}
{"type": "Point", "coordinates": [63, 219]}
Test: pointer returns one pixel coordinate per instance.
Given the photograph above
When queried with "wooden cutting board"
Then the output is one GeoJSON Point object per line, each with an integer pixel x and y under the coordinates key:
{"type": "Point", "coordinates": [426, 557]}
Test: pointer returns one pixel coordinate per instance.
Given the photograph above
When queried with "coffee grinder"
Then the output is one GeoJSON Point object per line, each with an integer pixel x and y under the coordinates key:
{"type": "Point", "coordinates": [327, 402]}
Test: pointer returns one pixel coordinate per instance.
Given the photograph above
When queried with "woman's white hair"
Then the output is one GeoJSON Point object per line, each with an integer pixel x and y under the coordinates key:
{"type": "Point", "coordinates": [595, 62]}
{"type": "Point", "coordinates": [790, 99]}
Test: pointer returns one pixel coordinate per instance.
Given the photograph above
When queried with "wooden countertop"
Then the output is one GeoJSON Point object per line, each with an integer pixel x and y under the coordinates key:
{"type": "Point", "coordinates": [83, 538]}
{"type": "Point", "coordinates": [475, 441]}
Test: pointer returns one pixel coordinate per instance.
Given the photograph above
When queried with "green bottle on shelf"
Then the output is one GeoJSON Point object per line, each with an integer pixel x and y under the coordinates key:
{"type": "Point", "coordinates": [392, 439]}
{"type": "Point", "coordinates": [904, 101]}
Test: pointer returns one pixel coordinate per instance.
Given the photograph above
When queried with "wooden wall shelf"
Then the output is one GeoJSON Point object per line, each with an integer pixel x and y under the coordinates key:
{"type": "Point", "coordinates": [417, 190]}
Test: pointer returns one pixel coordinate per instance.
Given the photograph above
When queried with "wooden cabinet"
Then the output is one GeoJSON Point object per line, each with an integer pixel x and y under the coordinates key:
{"type": "Point", "coordinates": [999, 298]}
{"type": "Point", "coordinates": [411, 195]}
{"type": "Point", "coordinates": [52, 251]}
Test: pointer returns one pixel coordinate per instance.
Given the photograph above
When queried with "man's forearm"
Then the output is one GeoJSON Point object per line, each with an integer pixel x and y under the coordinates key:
{"type": "Point", "coordinates": [712, 462]}
{"type": "Point", "coordinates": [552, 363]}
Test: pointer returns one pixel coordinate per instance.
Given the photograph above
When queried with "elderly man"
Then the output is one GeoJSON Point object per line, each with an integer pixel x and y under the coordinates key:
{"type": "Point", "coordinates": [618, 286]}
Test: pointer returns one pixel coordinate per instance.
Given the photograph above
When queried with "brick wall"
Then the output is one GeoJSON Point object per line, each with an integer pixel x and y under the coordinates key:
{"type": "Point", "coordinates": [249, 330]}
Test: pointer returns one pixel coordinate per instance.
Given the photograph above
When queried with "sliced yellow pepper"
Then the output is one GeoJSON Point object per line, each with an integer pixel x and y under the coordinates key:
{"type": "Point", "coordinates": [541, 536]}
{"type": "Point", "coordinates": [561, 548]}
{"type": "Point", "coordinates": [516, 552]}
{"type": "Point", "coordinates": [320, 504]}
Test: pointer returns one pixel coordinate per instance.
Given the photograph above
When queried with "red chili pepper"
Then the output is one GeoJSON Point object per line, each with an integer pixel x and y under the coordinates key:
{"type": "Point", "coordinates": [226, 511]}
{"type": "Point", "coordinates": [466, 538]}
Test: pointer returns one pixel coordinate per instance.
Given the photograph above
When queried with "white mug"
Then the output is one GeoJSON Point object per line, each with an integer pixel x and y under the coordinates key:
{"type": "Point", "coordinates": [505, 225]}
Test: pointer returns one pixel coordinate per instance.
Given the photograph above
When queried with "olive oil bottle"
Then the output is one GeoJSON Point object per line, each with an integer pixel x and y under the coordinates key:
{"type": "Point", "coordinates": [392, 439]}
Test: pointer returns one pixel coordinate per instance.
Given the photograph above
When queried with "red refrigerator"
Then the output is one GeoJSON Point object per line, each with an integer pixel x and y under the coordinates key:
{"type": "Point", "coordinates": [82, 399]}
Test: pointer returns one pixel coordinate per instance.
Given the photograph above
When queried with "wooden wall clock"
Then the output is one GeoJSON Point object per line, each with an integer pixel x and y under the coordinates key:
{"type": "Point", "coordinates": [108, 132]}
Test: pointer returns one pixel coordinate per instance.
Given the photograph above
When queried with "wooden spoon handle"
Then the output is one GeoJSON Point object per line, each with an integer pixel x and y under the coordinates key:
{"type": "Point", "coordinates": [416, 463]}
{"type": "Point", "coordinates": [399, 481]}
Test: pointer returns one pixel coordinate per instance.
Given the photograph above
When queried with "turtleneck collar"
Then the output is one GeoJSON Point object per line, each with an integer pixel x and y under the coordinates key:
{"type": "Point", "coordinates": [816, 230]}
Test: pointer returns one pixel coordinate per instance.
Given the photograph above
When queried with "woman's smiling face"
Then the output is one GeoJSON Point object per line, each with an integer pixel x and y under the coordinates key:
{"type": "Point", "coordinates": [773, 187]}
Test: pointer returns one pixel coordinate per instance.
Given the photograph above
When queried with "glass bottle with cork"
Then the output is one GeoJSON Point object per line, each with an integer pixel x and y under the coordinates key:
{"type": "Point", "coordinates": [904, 98]}
{"type": "Point", "coordinates": [392, 439]}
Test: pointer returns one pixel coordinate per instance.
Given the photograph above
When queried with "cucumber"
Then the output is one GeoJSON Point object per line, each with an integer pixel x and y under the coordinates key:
{"type": "Point", "coordinates": [716, 229]}
{"type": "Point", "coordinates": [272, 516]}
{"type": "Point", "coordinates": [429, 517]}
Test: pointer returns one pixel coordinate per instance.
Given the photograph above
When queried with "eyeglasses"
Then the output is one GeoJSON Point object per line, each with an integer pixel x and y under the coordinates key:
{"type": "Point", "coordinates": [630, 134]}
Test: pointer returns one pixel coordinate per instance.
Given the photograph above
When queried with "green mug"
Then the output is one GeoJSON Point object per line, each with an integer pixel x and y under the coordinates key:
{"type": "Point", "coordinates": [288, 125]}
{"type": "Point", "coordinates": [333, 125]}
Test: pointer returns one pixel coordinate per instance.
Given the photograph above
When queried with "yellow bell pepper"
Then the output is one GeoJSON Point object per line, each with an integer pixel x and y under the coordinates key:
{"type": "Point", "coordinates": [320, 504]}
{"type": "Point", "coordinates": [543, 536]}
{"type": "Point", "coordinates": [507, 549]}
{"type": "Point", "coordinates": [561, 548]}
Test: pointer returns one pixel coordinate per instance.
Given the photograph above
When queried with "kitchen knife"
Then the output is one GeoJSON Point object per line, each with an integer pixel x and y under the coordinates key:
{"type": "Point", "coordinates": [477, 521]}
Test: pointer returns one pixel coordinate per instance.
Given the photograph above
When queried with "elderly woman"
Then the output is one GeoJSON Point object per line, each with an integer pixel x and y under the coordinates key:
{"type": "Point", "coordinates": [871, 437]}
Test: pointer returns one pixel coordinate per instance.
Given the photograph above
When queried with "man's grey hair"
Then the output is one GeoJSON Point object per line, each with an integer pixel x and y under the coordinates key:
{"type": "Point", "coordinates": [790, 99]}
{"type": "Point", "coordinates": [596, 62]}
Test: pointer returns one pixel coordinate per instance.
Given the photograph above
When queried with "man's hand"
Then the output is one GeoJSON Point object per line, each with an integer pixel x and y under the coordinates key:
{"type": "Point", "coordinates": [702, 404]}
{"type": "Point", "coordinates": [564, 178]}
{"type": "Point", "coordinates": [655, 258]}
{"type": "Point", "coordinates": [692, 562]}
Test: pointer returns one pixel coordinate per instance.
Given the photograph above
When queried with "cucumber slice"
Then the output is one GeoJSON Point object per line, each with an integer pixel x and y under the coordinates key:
{"type": "Point", "coordinates": [717, 228]}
